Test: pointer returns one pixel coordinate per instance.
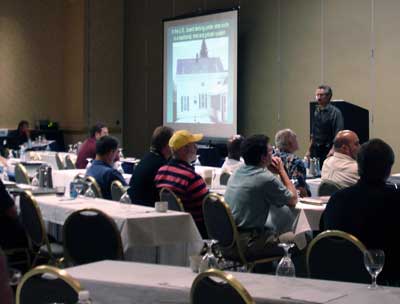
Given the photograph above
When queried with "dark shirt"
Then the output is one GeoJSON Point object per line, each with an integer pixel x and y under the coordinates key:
{"type": "Point", "coordinates": [142, 188]}
{"type": "Point", "coordinates": [16, 139]}
{"type": "Point", "coordinates": [12, 234]}
{"type": "Point", "coordinates": [104, 175]}
{"type": "Point", "coordinates": [87, 150]}
{"type": "Point", "coordinates": [327, 122]}
{"type": "Point", "coordinates": [181, 178]}
{"type": "Point", "coordinates": [370, 213]}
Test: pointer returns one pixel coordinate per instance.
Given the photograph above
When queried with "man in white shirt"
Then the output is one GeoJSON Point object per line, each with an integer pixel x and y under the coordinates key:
{"type": "Point", "coordinates": [342, 168]}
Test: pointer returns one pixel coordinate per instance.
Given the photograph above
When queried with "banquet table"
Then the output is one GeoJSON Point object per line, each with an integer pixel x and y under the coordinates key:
{"type": "Point", "coordinates": [65, 177]}
{"type": "Point", "coordinates": [127, 282]}
{"type": "Point", "coordinates": [147, 235]}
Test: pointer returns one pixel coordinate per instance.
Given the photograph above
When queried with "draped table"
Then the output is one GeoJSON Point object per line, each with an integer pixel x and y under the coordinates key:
{"type": "Point", "coordinates": [147, 235]}
{"type": "Point", "coordinates": [126, 282]}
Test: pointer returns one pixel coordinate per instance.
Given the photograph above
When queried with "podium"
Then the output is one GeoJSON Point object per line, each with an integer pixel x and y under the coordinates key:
{"type": "Point", "coordinates": [355, 118]}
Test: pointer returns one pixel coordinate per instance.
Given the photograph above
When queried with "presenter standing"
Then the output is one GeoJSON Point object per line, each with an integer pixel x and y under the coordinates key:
{"type": "Point", "coordinates": [327, 122]}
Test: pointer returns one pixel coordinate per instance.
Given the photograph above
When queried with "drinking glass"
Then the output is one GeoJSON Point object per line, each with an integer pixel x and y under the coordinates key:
{"type": "Point", "coordinates": [79, 189]}
{"type": "Point", "coordinates": [89, 192]}
{"type": "Point", "coordinates": [70, 150]}
{"type": "Point", "coordinates": [15, 276]}
{"type": "Point", "coordinates": [125, 199]}
{"type": "Point", "coordinates": [374, 259]}
{"type": "Point", "coordinates": [120, 154]}
{"type": "Point", "coordinates": [286, 267]}
{"type": "Point", "coordinates": [209, 260]}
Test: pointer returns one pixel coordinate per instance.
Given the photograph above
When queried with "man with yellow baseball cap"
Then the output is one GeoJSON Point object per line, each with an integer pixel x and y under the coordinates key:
{"type": "Point", "coordinates": [180, 177]}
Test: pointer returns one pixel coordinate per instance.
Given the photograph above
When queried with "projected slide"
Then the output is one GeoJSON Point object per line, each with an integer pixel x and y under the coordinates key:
{"type": "Point", "coordinates": [200, 56]}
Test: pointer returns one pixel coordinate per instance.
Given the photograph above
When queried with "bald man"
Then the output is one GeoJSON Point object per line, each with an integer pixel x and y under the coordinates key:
{"type": "Point", "coordinates": [342, 168]}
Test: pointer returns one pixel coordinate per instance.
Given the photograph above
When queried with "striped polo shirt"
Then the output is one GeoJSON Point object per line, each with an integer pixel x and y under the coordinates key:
{"type": "Point", "coordinates": [181, 178]}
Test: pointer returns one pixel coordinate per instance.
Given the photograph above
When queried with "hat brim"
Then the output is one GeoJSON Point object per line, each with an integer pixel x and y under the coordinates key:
{"type": "Point", "coordinates": [196, 137]}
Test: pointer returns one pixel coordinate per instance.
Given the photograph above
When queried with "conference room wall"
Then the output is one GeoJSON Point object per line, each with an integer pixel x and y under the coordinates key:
{"type": "Point", "coordinates": [31, 60]}
{"type": "Point", "coordinates": [286, 49]}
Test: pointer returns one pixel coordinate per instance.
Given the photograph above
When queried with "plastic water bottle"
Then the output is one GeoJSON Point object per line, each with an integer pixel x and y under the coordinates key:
{"type": "Point", "coordinates": [84, 297]}
{"type": "Point", "coordinates": [72, 190]}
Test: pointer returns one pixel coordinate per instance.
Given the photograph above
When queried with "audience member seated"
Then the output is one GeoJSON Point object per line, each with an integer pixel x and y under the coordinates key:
{"type": "Point", "coordinates": [102, 167]}
{"type": "Point", "coordinates": [341, 168]}
{"type": "Point", "coordinates": [12, 234]}
{"type": "Point", "coordinates": [233, 161]}
{"type": "Point", "coordinates": [20, 136]}
{"type": "Point", "coordinates": [6, 293]}
{"type": "Point", "coordinates": [286, 142]}
{"type": "Point", "coordinates": [179, 176]}
{"type": "Point", "coordinates": [88, 148]}
{"type": "Point", "coordinates": [252, 189]}
{"type": "Point", "coordinates": [142, 189]}
{"type": "Point", "coordinates": [370, 209]}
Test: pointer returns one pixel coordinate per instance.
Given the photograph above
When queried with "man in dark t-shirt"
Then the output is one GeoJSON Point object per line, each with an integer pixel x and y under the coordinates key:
{"type": "Point", "coordinates": [327, 122]}
{"type": "Point", "coordinates": [142, 189]}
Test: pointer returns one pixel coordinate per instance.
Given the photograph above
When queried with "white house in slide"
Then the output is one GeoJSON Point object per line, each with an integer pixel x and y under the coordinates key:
{"type": "Point", "coordinates": [201, 85]}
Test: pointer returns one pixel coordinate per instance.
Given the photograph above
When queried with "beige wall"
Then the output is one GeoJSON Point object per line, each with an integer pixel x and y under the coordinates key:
{"type": "Point", "coordinates": [31, 60]}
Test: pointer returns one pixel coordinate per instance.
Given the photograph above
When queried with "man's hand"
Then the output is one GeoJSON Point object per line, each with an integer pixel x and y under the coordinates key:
{"type": "Point", "coordinates": [276, 165]}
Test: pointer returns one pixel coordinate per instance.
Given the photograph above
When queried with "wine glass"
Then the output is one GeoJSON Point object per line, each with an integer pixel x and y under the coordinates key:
{"type": "Point", "coordinates": [79, 188]}
{"type": "Point", "coordinates": [374, 259]}
{"type": "Point", "coordinates": [89, 192]}
{"type": "Point", "coordinates": [209, 260]}
{"type": "Point", "coordinates": [286, 267]}
{"type": "Point", "coordinates": [70, 150]}
{"type": "Point", "coordinates": [125, 199]}
{"type": "Point", "coordinates": [15, 276]}
{"type": "Point", "coordinates": [120, 154]}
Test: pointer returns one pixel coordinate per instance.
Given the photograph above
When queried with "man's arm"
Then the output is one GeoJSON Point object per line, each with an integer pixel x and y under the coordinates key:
{"type": "Point", "coordinates": [277, 167]}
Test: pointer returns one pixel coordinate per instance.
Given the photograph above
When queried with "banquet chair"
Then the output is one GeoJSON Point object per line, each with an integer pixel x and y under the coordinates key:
{"type": "Point", "coordinates": [21, 175]}
{"type": "Point", "coordinates": [174, 202]}
{"type": "Point", "coordinates": [214, 287]}
{"type": "Point", "coordinates": [32, 220]}
{"type": "Point", "coordinates": [117, 190]}
{"type": "Point", "coordinates": [69, 164]}
{"type": "Point", "coordinates": [47, 284]}
{"type": "Point", "coordinates": [224, 178]}
{"type": "Point", "coordinates": [336, 255]}
{"type": "Point", "coordinates": [222, 228]}
{"type": "Point", "coordinates": [90, 235]}
{"type": "Point", "coordinates": [327, 188]}
{"type": "Point", "coordinates": [60, 165]}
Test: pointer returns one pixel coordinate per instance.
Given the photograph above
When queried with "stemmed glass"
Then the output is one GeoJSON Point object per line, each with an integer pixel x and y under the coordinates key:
{"type": "Point", "coordinates": [120, 154]}
{"type": "Point", "coordinates": [209, 260]}
{"type": "Point", "coordinates": [89, 192]}
{"type": "Point", "coordinates": [79, 188]}
{"type": "Point", "coordinates": [286, 267]}
{"type": "Point", "coordinates": [374, 259]}
{"type": "Point", "coordinates": [70, 150]}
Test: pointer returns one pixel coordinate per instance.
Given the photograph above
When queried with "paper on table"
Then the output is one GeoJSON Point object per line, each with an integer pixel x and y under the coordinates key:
{"type": "Point", "coordinates": [320, 200]}
{"type": "Point", "coordinates": [313, 295]}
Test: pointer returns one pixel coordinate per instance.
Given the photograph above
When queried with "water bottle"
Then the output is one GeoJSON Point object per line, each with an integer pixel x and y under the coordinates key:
{"type": "Point", "coordinates": [306, 162]}
{"type": "Point", "coordinates": [84, 297]}
{"type": "Point", "coordinates": [72, 190]}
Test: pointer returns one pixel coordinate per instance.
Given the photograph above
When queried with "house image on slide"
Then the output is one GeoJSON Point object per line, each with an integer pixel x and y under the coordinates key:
{"type": "Point", "coordinates": [201, 87]}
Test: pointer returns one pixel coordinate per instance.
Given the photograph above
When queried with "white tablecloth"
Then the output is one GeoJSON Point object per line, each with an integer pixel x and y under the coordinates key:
{"type": "Point", "coordinates": [172, 236]}
{"type": "Point", "coordinates": [50, 157]}
{"type": "Point", "coordinates": [65, 177]}
{"type": "Point", "coordinates": [124, 283]}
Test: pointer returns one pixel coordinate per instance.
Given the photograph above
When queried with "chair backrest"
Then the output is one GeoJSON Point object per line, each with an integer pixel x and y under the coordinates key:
{"type": "Point", "coordinates": [32, 220]}
{"type": "Point", "coordinates": [224, 178]}
{"type": "Point", "coordinates": [90, 235]}
{"type": "Point", "coordinates": [117, 190]}
{"type": "Point", "coordinates": [60, 165]}
{"type": "Point", "coordinates": [220, 224]}
{"type": "Point", "coordinates": [90, 180]}
{"type": "Point", "coordinates": [47, 284]}
{"type": "Point", "coordinates": [327, 188]}
{"type": "Point", "coordinates": [21, 175]}
{"type": "Point", "coordinates": [215, 287]}
{"type": "Point", "coordinates": [174, 202]}
{"type": "Point", "coordinates": [69, 164]}
{"type": "Point", "coordinates": [337, 255]}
